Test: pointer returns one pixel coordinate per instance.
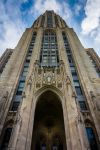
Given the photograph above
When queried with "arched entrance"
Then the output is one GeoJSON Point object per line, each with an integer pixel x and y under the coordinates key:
{"type": "Point", "coordinates": [48, 130]}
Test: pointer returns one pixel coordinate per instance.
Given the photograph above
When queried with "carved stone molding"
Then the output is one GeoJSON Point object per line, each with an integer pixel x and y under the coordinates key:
{"type": "Point", "coordinates": [74, 94]}
{"type": "Point", "coordinates": [86, 115]}
{"type": "Point", "coordinates": [68, 81]}
{"type": "Point", "coordinates": [3, 101]}
{"type": "Point", "coordinates": [94, 100]}
{"type": "Point", "coordinates": [47, 76]}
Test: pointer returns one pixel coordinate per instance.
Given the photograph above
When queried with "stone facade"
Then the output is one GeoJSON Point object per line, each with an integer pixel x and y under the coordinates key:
{"type": "Point", "coordinates": [4, 59]}
{"type": "Point", "coordinates": [42, 107]}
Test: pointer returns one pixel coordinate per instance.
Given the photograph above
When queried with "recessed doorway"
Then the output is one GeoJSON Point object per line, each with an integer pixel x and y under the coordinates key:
{"type": "Point", "coordinates": [48, 130]}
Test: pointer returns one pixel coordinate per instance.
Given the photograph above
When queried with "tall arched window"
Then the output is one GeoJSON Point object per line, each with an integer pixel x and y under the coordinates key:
{"type": "Point", "coordinates": [91, 135]}
{"type": "Point", "coordinates": [49, 50]}
{"type": "Point", "coordinates": [6, 135]}
{"type": "Point", "coordinates": [49, 19]}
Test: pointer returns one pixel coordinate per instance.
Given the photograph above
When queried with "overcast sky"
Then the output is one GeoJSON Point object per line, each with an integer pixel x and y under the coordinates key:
{"type": "Point", "coordinates": [82, 15]}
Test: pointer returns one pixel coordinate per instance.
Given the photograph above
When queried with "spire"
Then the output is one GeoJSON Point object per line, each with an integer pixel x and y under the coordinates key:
{"type": "Point", "coordinates": [49, 20]}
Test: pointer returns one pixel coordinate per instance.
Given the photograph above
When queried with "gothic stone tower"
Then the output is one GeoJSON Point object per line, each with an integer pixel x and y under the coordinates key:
{"type": "Point", "coordinates": [49, 90]}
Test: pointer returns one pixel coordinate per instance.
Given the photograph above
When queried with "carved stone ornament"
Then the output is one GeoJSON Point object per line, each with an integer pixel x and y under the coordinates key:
{"type": "Point", "coordinates": [96, 105]}
{"type": "Point", "coordinates": [74, 94]}
{"type": "Point", "coordinates": [29, 82]}
{"type": "Point", "coordinates": [80, 118]}
{"type": "Point", "coordinates": [92, 94]}
{"type": "Point", "coordinates": [3, 100]}
{"type": "Point", "coordinates": [68, 81]}
{"type": "Point", "coordinates": [6, 95]}
{"type": "Point", "coordinates": [61, 63]}
{"type": "Point", "coordinates": [36, 63]}
{"type": "Point", "coordinates": [23, 95]}
{"type": "Point", "coordinates": [48, 78]}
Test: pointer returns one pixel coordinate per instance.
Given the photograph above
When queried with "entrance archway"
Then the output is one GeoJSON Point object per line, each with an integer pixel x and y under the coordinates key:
{"type": "Point", "coordinates": [48, 130]}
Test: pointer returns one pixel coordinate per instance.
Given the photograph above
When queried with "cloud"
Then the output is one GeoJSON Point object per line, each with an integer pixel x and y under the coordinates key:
{"type": "Point", "coordinates": [91, 23]}
{"type": "Point", "coordinates": [14, 20]}
{"type": "Point", "coordinates": [92, 19]}
{"type": "Point", "coordinates": [77, 9]}
{"type": "Point", "coordinates": [61, 8]}
{"type": "Point", "coordinates": [11, 25]}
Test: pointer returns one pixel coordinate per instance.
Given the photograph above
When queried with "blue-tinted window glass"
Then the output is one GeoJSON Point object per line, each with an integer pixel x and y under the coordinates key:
{"type": "Point", "coordinates": [15, 106]}
{"type": "Point", "coordinates": [43, 147]}
{"type": "Point", "coordinates": [91, 138]}
{"type": "Point", "coordinates": [82, 105]}
{"type": "Point", "coordinates": [78, 90]}
{"type": "Point", "coordinates": [49, 50]}
{"type": "Point", "coordinates": [6, 139]}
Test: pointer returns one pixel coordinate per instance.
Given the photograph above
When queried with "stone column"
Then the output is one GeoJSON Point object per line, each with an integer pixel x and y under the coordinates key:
{"type": "Point", "coordinates": [86, 76]}
{"type": "Point", "coordinates": [10, 76]}
{"type": "Point", "coordinates": [72, 116]}
{"type": "Point", "coordinates": [23, 131]}
{"type": "Point", "coordinates": [59, 21]}
{"type": "Point", "coordinates": [62, 51]}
